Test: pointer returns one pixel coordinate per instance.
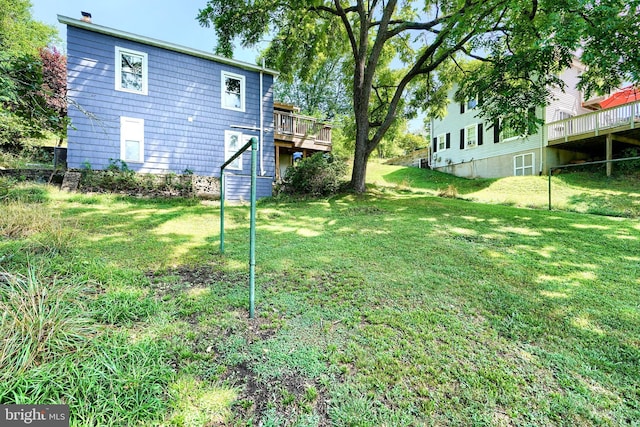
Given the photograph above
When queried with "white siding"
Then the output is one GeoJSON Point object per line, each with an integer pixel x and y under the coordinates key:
{"type": "Point", "coordinates": [496, 159]}
{"type": "Point", "coordinates": [453, 122]}
{"type": "Point", "coordinates": [568, 101]}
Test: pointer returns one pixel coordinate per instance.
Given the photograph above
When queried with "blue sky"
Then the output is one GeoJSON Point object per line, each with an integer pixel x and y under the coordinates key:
{"type": "Point", "coordinates": [166, 20]}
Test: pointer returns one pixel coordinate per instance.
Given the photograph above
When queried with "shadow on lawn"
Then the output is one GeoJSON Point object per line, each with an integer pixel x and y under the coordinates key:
{"type": "Point", "coordinates": [427, 283]}
{"type": "Point", "coordinates": [607, 204]}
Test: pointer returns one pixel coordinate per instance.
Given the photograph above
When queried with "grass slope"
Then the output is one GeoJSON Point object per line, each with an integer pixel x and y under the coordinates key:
{"type": "Point", "coordinates": [577, 191]}
{"type": "Point", "coordinates": [395, 308]}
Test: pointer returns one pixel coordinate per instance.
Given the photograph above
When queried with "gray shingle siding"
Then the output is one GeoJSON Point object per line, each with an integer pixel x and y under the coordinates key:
{"type": "Point", "coordinates": [179, 86]}
{"type": "Point", "coordinates": [238, 187]}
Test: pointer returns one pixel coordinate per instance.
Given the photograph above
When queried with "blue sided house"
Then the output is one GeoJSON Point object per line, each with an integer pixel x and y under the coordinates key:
{"type": "Point", "coordinates": [163, 108]}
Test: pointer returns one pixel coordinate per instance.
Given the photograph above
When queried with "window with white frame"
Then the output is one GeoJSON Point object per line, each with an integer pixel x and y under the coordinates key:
{"type": "Point", "coordinates": [131, 71]}
{"type": "Point", "coordinates": [471, 136]}
{"type": "Point", "coordinates": [566, 126]}
{"type": "Point", "coordinates": [233, 91]}
{"type": "Point", "coordinates": [442, 142]}
{"type": "Point", "coordinates": [232, 143]}
{"type": "Point", "coordinates": [565, 114]}
{"type": "Point", "coordinates": [508, 132]}
{"type": "Point", "coordinates": [523, 164]}
{"type": "Point", "coordinates": [472, 103]}
{"type": "Point", "coordinates": [131, 140]}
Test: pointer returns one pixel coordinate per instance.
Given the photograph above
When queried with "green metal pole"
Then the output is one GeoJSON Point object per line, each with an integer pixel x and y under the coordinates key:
{"type": "Point", "coordinates": [222, 211]}
{"type": "Point", "coordinates": [252, 238]}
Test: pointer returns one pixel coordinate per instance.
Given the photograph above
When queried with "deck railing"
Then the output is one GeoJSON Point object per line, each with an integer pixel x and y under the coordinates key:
{"type": "Point", "coordinates": [595, 122]}
{"type": "Point", "coordinates": [300, 126]}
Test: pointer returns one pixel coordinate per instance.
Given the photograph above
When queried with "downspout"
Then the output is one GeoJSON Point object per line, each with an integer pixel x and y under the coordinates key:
{"type": "Point", "coordinates": [261, 122]}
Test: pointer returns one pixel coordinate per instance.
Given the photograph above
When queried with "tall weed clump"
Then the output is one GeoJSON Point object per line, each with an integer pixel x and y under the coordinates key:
{"type": "Point", "coordinates": [26, 216]}
{"type": "Point", "coordinates": [319, 175]}
{"type": "Point", "coordinates": [52, 351]}
{"type": "Point", "coordinates": [38, 322]}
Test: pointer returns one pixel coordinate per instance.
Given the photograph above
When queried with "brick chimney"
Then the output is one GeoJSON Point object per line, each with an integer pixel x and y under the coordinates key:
{"type": "Point", "coordinates": [86, 16]}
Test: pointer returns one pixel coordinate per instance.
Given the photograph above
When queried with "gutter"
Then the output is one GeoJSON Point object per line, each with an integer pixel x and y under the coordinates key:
{"type": "Point", "coordinates": [162, 44]}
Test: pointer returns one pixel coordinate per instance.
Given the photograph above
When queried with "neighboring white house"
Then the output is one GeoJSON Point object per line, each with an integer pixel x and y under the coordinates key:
{"type": "Point", "coordinates": [464, 145]}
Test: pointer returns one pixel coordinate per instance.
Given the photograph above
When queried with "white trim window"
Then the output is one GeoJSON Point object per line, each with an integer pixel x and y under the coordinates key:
{"type": "Point", "coordinates": [233, 91]}
{"type": "Point", "coordinates": [132, 71]}
{"type": "Point", "coordinates": [441, 142]}
{"type": "Point", "coordinates": [523, 164]}
{"type": "Point", "coordinates": [232, 143]}
{"type": "Point", "coordinates": [508, 133]}
{"type": "Point", "coordinates": [132, 140]}
{"type": "Point", "coordinates": [471, 136]}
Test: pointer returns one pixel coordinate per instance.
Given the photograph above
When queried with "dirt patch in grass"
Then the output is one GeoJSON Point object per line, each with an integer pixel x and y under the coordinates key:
{"type": "Point", "coordinates": [179, 279]}
{"type": "Point", "coordinates": [266, 400]}
{"type": "Point", "coordinates": [288, 397]}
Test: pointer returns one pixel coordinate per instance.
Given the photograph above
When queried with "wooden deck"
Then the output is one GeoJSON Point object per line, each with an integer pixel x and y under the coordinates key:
{"type": "Point", "coordinates": [616, 120]}
{"type": "Point", "coordinates": [298, 131]}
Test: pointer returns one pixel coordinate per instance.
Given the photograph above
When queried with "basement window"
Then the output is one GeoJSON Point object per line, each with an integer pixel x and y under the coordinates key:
{"type": "Point", "coordinates": [523, 164]}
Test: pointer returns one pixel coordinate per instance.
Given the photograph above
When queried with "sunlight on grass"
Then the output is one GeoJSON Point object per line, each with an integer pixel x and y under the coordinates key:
{"type": "Point", "coordinates": [585, 323]}
{"type": "Point", "coordinates": [197, 403]}
{"type": "Point", "coordinates": [195, 229]}
{"type": "Point", "coordinates": [547, 251]}
{"type": "Point", "coordinates": [519, 230]}
{"type": "Point", "coordinates": [626, 237]}
{"type": "Point", "coordinates": [579, 192]}
{"type": "Point", "coordinates": [389, 308]}
{"type": "Point", "coordinates": [463, 231]}
{"type": "Point", "coordinates": [198, 292]}
{"type": "Point", "coordinates": [550, 294]}
{"type": "Point", "coordinates": [306, 232]}
{"type": "Point", "coordinates": [589, 226]}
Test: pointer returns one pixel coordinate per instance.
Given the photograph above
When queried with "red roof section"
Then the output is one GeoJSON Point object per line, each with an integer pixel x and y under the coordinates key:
{"type": "Point", "coordinates": [623, 96]}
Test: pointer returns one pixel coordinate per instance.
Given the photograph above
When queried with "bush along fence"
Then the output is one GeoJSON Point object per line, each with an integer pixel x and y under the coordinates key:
{"type": "Point", "coordinates": [162, 185]}
{"type": "Point", "coordinates": [118, 178]}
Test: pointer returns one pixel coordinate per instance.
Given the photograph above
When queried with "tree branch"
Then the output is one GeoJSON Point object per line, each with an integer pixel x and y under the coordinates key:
{"type": "Point", "coordinates": [419, 69]}
{"type": "Point", "coordinates": [342, 14]}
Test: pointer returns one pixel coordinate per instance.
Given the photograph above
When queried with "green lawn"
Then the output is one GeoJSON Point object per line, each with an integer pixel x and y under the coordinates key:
{"type": "Point", "coordinates": [395, 308]}
{"type": "Point", "coordinates": [572, 191]}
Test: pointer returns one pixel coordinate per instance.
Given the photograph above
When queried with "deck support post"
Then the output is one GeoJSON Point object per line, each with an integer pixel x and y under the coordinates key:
{"type": "Point", "coordinates": [277, 163]}
{"type": "Point", "coordinates": [609, 154]}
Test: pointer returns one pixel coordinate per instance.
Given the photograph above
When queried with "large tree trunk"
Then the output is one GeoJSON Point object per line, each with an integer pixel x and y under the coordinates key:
{"type": "Point", "coordinates": [362, 151]}
{"type": "Point", "coordinates": [359, 174]}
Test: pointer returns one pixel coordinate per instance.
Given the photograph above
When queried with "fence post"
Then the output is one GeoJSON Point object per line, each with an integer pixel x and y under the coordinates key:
{"type": "Point", "coordinates": [222, 211]}
{"type": "Point", "coordinates": [252, 232]}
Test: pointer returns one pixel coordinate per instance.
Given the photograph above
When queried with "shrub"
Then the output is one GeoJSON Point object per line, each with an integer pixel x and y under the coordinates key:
{"type": "Point", "coordinates": [629, 167]}
{"type": "Point", "coordinates": [451, 192]}
{"type": "Point", "coordinates": [118, 177]}
{"type": "Point", "coordinates": [6, 183]}
{"type": "Point", "coordinates": [318, 175]}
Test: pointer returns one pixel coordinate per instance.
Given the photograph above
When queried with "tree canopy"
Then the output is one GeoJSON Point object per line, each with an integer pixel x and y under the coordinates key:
{"type": "Point", "coordinates": [32, 77]}
{"type": "Point", "coordinates": [400, 57]}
